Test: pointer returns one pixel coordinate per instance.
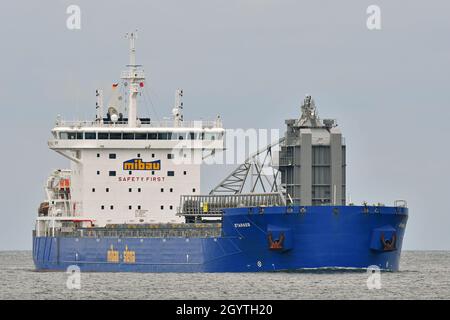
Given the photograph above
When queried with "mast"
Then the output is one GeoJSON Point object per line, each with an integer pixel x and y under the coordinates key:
{"type": "Point", "coordinates": [134, 77]}
{"type": "Point", "coordinates": [177, 110]}
{"type": "Point", "coordinates": [99, 105]}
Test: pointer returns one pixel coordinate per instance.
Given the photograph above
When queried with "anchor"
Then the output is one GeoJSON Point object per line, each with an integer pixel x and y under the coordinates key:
{"type": "Point", "coordinates": [276, 244]}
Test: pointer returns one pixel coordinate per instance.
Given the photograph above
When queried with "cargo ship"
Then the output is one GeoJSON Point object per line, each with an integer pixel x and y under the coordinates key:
{"type": "Point", "coordinates": [131, 200]}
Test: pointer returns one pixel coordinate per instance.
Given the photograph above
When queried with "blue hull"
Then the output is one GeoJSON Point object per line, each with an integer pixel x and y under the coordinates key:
{"type": "Point", "coordinates": [253, 239]}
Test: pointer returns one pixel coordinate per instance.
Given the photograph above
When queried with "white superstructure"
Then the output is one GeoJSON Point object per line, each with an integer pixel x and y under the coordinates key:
{"type": "Point", "coordinates": [128, 170]}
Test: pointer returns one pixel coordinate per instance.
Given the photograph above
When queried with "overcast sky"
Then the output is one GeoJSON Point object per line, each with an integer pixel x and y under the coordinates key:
{"type": "Point", "coordinates": [252, 62]}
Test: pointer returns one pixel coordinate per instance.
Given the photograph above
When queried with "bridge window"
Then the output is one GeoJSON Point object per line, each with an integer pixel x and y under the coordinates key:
{"type": "Point", "coordinates": [128, 136]}
{"type": "Point", "coordinates": [211, 136]}
{"type": "Point", "coordinates": [178, 135]}
{"type": "Point", "coordinates": [71, 135]}
{"type": "Point", "coordinates": [103, 136]}
{"type": "Point", "coordinates": [152, 136]}
{"type": "Point", "coordinates": [115, 136]}
{"type": "Point", "coordinates": [140, 136]}
{"type": "Point", "coordinates": [164, 135]}
{"type": "Point", "coordinates": [90, 135]}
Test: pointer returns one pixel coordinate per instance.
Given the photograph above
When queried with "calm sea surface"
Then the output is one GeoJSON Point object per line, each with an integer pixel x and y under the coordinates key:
{"type": "Point", "coordinates": [423, 275]}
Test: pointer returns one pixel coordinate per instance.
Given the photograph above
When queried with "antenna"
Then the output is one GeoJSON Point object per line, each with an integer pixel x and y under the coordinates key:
{"type": "Point", "coordinates": [132, 36]}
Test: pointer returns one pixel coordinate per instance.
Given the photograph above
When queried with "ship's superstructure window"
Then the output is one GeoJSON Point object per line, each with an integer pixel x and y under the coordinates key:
{"type": "Point", "coordinates": [103, 207]}
{"type": "Point", "coordinates": [128, 136]}
{"type": "Point", "coordinates": [112, 173]}
{"type": "Point", "coordinates": [178, 136]}
{"type": "Point", "coordinates": [98, 155]}
{"type": "Point", "coordinates": [162, 207]}
{"type": "Point", "coordinates": [184, 172]}
{"type": "Point", "coordinates": [162, 189]}
{"type": "Point", "coordinates": [211, 136]}
{"type": "Point", "coordinates": [130, 173]}
{"type": "Point", "coordinates": [130, 190]}
{"type": "Point", "coordinates": [93, 189]}
{"type": "Point", "coordinates": [139, 207]}
{"type": "Point", "coordinates": [138, 155]}
{"type": "Point", "coordinates": [164, 135]}
{"type": "Point", "coordinates": [90, 135]}
{"type": "Point", "coordinates": [129, 207]}
{"type": "Point", "coordinates": [170, 156]}
{"type": "Point", "coordinates": [103, 136]}
{"type": "Point", "coordinates": [139, 189]}
{"type": "Point", "coordinates": [170, 173]}
{"type": "Point", "coordinates": [115, 136]}
{"type": "Point", "coordinates": [98, 172]}
{"type": "Point", "coordinates": [193, 190]}
{"type": "Point", "coordinates": [107, 189]}
{"type": "Point", "coordinates": [112, 155]}
{"type": "Point", "coordinates": [139, 135]}
{"type": "Point", "coordinates": [171, 207]}
{"type": "Point", "coordinates": [111, 207]}
{"type": "Point", "coordinates": [171, 189]}
{"type": "Point", "coordinates": [153, 155]}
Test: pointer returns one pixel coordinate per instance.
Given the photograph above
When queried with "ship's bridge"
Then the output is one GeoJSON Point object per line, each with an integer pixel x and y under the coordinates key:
{"type": "Point", "coordinates": [147, 134]}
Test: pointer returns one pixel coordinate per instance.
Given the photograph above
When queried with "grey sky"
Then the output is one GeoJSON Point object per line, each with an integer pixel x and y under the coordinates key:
{"type": "Point", "coordinates": [252, 62]}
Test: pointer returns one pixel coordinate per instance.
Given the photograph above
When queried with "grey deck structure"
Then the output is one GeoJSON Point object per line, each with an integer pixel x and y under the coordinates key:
{"type": "Point", "coordinates": [312, 160]}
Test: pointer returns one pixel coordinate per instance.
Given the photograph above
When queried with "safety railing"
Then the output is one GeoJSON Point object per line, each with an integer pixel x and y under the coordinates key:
{"type": "Point", "coordinates": [213, 205]}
